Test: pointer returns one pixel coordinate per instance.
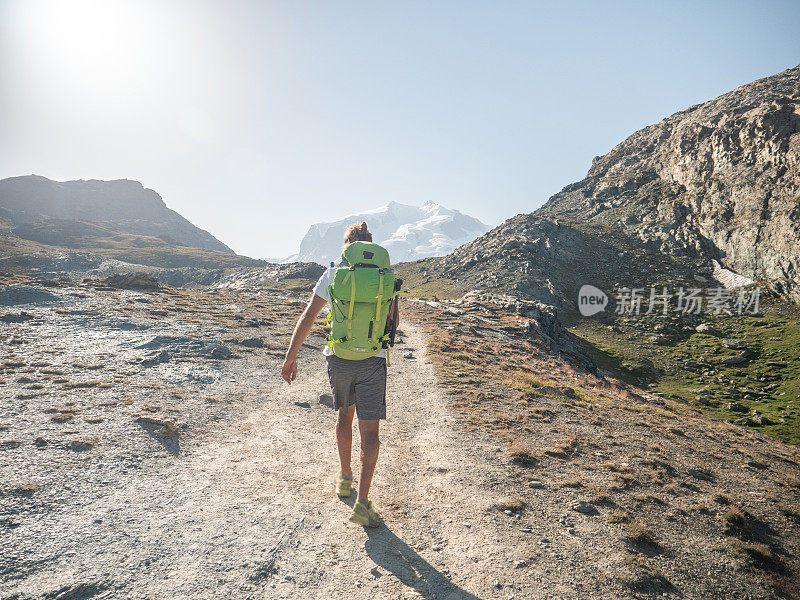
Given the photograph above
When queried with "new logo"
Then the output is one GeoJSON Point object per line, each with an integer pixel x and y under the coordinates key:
{"type": "Point", "coordinates": [591, 300]}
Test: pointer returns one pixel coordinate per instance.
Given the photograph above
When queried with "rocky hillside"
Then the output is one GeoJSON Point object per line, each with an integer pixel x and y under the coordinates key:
{"type": "Point", "coordinates": [716, 184]}
{"type": "Point", "coordinates": [54, 212]}
{"type": "Point", "coordinates": [718, 180]}
{"type": "Point", "coordinates": [548, 260]}
{"type": "Point", "coordinates": [119, 220]}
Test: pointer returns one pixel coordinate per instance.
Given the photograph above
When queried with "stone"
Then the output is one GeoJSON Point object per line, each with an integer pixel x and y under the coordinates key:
{"type": "Point", "coordinates": [701, 474]}
{"type": "Point", "coordinates": [739, 359]}
{"type": "Point", "coordinates": [582, 506]}
{"type": "Point", "coordinates": [132, 281]}
{"type": "Point", "coordinates": [79, 445]}
{"type": "Point", "coordinates": [735, 344]}
{"type": "Point", "coordinates": [706, 328]}
{"type": "Point", "coordinates": [166, 427]}
{"type": "Point", "coordinates": [16, 317]}
{"type": "Point", "coordinates": [221, 352]}
{"type": "Point", "coordinates": [254, 342]}
{"type": "Point", "coordinates": [759, 420]}
{"type": "Point", "coordinates": [169, 429]}
{"type": "Point", "coordinates": [155, 359]}
{"type": "Point", "coordinates": [11, 295]}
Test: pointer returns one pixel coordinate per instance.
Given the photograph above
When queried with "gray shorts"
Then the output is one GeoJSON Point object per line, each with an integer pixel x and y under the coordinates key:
{"type": "Point", "coordinates": [359, 382]}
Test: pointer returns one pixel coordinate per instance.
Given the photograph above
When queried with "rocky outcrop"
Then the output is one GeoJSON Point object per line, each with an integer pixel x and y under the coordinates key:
{"type": "Point", "coordinates": [297, 275]}
{"type": "Point", "coordinates": [718, 180]}
{"type": "Point", "coordinates": [546, 260]}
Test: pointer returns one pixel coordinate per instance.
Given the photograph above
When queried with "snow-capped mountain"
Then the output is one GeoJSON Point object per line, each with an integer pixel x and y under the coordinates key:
{"type": "Point", "coordinates": [407, 232]}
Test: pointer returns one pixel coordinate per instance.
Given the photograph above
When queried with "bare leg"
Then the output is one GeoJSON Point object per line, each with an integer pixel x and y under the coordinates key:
{"type": "Point", "coordinates": [344, 437]}
{"type": "Point", "coordinates": [370, 442]}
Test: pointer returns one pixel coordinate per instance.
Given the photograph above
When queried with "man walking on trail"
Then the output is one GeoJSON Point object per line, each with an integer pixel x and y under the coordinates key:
{"type": "Point", "coordinates": [360, 291]}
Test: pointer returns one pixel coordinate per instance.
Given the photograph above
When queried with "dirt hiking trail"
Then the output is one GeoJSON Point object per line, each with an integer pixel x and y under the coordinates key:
{"type": "Point", "coordinates": [247, 510]}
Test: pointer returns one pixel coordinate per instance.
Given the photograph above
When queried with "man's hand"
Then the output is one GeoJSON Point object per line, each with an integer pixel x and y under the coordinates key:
{"type": "Point", "coordinates": [289, 370]}
{"type": "Point", "coordinates": [301, 331]}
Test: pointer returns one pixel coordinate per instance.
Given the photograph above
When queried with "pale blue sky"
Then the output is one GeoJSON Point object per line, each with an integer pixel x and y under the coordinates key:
{"type": "Point", "coordinates": [255, 119]}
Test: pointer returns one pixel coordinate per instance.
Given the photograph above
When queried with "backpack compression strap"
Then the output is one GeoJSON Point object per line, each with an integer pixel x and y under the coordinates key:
{"type": "Point", "coordinates": [352, 275]}
{"type": "Point", "coordinates": [378, 304]}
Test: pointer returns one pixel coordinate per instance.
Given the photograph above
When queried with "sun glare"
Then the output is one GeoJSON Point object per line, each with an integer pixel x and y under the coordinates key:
{"type": "Point", "coordinates": [108, 46]}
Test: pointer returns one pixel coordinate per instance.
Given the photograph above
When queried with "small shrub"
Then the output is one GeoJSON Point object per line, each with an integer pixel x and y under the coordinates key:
{"type": "Point", "coordinates": [511, 503]}
{"type": "Point", "coordinates": [520, 453]}
{"type": "Point", "coordinates": [761, 556]}
{"type": "Point", "coordinates": [27, 488]}
{"type": "Point", "coordinates": [565, 449]}
{"type": "Point", "coordinates": [618, 516]}
{"type": "Point", "coordinates": [740, 523]}
{"type": "Point", "coordinates": [639, 536]}
{"type": "Point", "coordinates": [602, 499]}
{"type": "Point", "coordinates": [649, 498]}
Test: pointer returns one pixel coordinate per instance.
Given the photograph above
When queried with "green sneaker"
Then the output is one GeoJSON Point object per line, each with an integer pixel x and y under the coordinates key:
{"type": "Point", "coordinates": [343, 484]}
{"type": "Point", "coordinates": [365, 515]}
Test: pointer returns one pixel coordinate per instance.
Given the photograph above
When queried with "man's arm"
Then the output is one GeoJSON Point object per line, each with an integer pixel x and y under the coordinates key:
{"type": "Point", "coordinates": [301, 331]}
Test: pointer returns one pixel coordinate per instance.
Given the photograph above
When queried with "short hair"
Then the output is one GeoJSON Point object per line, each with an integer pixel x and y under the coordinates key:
{"type": "Point", "coordinates": [357, 232]}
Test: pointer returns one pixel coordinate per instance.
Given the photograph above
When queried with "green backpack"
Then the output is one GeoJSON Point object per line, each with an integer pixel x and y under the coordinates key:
{"type": "Point", "coordinates": [361, 293]}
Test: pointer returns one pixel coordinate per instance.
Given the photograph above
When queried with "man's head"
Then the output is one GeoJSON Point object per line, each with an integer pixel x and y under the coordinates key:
{"type": "Point", "coordinates": [357, 232]}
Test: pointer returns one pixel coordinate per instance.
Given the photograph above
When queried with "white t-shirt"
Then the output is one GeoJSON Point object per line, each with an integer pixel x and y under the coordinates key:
{"type": "Point", "coordinates": [321, 290]}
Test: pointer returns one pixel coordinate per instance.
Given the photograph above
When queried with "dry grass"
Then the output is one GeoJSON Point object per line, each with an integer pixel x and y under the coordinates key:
{"type": "Point", "coordinates": [760, 556]}
{"type": "Point", "coordinates": [646, 578]}
{"type": "Point", "coordinates": [62, 417]}
{"type": "Point", "coordinates": [602, 499]}
{"type": "Point", "coordinates": [617, 468]}
{"type": "Point", "coordinates": [623, 482]}
{"type": "Point", "coordinates": [520, 453]}
{"type": "Point", "coordinates": [649, 498]}
{"type": "Point", "coordinates": [25, 488]}
{"type": "Point", "coordinates": [514, 504]}
{"type": "Point", "coordinates": [639, 536]}
{"type": "Point", "coordinates": [618, 516]}
{"type": "Point", "coordinates": [739, 523]}
{"type": "Point", "coordinates": [523, 380]}
{"type": "Point", "coordinates": [565, 449]}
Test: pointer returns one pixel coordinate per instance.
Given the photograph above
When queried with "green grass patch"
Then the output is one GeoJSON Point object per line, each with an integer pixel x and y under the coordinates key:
{"type": "Point", "coordinates": [689, 368]}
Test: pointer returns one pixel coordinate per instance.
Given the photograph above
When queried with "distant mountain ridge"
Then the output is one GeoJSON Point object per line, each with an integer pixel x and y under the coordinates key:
{"type": "Point", "coordinates": [119, 220]}
{"type": "Point", "coordinates": [407, 232]}
{"type": "Point", "coordinates": [31, 201]}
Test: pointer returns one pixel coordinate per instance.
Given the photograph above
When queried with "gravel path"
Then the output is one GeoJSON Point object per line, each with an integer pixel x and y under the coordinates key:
{"type": "Point", "coordinates": [127, 475]}
{"type": "Point", "coordinates": [243, 505]}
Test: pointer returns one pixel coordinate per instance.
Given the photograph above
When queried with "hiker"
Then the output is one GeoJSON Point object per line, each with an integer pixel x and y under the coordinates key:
{"type": "Point", "coordinates": [361, 291]}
